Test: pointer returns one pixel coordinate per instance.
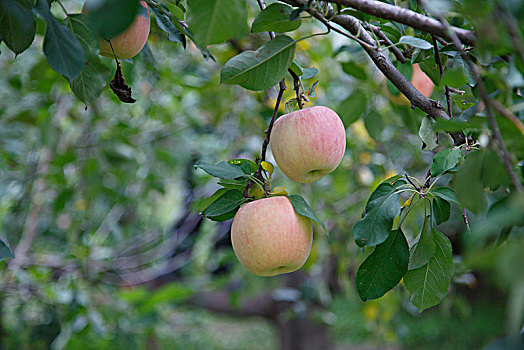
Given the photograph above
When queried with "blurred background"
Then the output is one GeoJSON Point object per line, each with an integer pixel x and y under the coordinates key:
{"type": "Point", "coordinates": [102, 202]}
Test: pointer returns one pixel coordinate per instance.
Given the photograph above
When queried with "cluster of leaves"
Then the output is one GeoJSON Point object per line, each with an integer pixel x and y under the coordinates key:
{"type": "Point", "coordinates": [71, 45]}
{"type": "Point", "coordinates": [234, 177]}
{"type": "Point", "coordinates": [427, 266]}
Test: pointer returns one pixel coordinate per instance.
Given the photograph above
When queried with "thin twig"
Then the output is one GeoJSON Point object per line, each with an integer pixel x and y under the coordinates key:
{"type": "Point", "coordinates": [407, 17]}
{"type": "Point", "coordinates": [456, 91]}
{"type": "Point", "coordinates": [506, 157]}
{"type": "Point", "coordinates": [296, 87]}
{"type": "Point", "coordinates": [507, 114]}
{"type": "Point", "coordinates": [282, 88]}
{"type": "Point", "coordinates": [466, 221]}
{"type": "Point", "coordinates": [364, 44]}
{"type": "Point", "coordinates": [378, 32]}
{"type": "Point", "coordinates": [514, 32]}
{"type": "Point", "coordinates": [411, 182]}
{"type": "Point", "coordinates": [441, 71]}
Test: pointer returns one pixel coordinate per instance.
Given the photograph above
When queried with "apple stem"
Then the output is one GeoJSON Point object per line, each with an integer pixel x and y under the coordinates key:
{"type": "Point", "coordinates": [258, 173]}
{"type": "Point", "coordinates": [296, 87]}
{"type": "Point", "coordinates": [114, 54]}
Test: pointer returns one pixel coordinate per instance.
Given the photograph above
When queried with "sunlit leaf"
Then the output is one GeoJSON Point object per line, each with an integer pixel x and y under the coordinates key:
{"type": "Point", "coordinates": [261, 69]}
{"type": "Point", "coordinates": [275, 18]}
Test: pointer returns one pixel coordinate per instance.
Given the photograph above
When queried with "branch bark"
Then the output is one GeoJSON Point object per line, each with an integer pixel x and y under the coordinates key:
{"type": "Point", "coordinates": [407, 17]}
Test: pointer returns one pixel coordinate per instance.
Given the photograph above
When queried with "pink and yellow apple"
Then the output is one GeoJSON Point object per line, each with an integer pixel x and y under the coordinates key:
{"type": "Point", "coordinates": [269, 238]}
{"type": "Point", "coordinates": [309, 143]}
{"type": "Point", "coordinates": [131, 41]}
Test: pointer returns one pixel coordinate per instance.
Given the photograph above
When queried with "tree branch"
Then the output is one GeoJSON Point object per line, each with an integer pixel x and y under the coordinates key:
{"type": "Point", "coordinates": [506, 157]}
{"type": "Point", "coordinates": [407, 17]}
{"type": "Point", "coordinates": [378, 32]}
{"type": "Point", "coordinates": [431, 107]}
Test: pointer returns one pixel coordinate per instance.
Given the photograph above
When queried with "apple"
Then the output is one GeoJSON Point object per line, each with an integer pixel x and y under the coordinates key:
{"type": "Point", "coordinates": [309, 143]}
{"type": "Point", "coordinates": [131, 41]}
{"type": "Point", "coordinates": [269, 238]}
{"type": "Point", "coordinates": [420, 81]}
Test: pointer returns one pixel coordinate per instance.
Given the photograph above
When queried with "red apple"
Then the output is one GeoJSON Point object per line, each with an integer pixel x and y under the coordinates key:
{"type": "Point", "coordinates": [269, 238]}
{"type": "Point", "coordinates": [131, 41]}
{"type": "Point", "coordinates": [309, 143]}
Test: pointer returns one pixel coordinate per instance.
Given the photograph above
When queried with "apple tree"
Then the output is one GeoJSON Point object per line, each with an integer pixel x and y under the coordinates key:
{"type": "Point", "coordinates": [428, 191]}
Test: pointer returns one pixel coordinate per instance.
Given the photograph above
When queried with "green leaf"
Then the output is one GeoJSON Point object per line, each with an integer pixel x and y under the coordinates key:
{"type": "Point", "coordinates": [108, 18]}
{"type": "Point", "coordinates": [480, 169]}
{"type": "Point", "coordinates": [309, 73]}
{"type": "Point", "coordinates": [441, 210]}
{"type": "Point", "coordinates": [423, 248]}
{"type": "Point", "coordinates": [415, 42]}
{"type": "Point", "coordinates": [381, 209]}
{"type": "Point", "coordinates": [454, 77]}
{"type": "Point", "coordinates": [217, 21]}
{"type": "Point", "coordinates": [429, 284]}
{"type": "Point", "coordinates": [384, 268]}
{"type": "Point", "coordinates": [354, 69]}
{"type": "Point", "coordinates": [225, 204]}
{"type": "Point", "coordinates": [468, 184]}
{"type": "Point", "coordinates": [95, 75]}
{"type": "Point", "coordinates": [446, 194]}
{"type": "Point", "coordinates": [5, 251]}
{"type": "Point", "coordinates": [261, 69]}
{"type": "Point", "coordinates": [353, 107]}
{"type": "Point", "coordinates": [502, 215]}
{"type": "Point", "coordinates": [222, 170]}
{"type": "Point", "coordinates": [61, 48]}
{"type": "Point", "coordinates": [459, 62]}
{"type": "Point", "coordinates": [296, 68]}
{"type": "Point", "coordinates": [203, 204]}
{"type": "Point", "coordinates": [429, 67]}
{"type": "Point", "coordinates": [475, 123]}
{"type": "Point", "coordinates": [275, 18]}
{"type": "Point", "coordinates": [374, 124]}
{"type": "Point", "coordinates": [17, 24]}
{"type": "Point", "coordinates": [302, 208]}
{"type": "Point", "coordinates": [182, 29]}
{"type": "Point", "coordinates": [445, 160]}
{"type": "Point", "coordinates": [427, 134]}
{"type": "Point", "coordinates": [463, 104]}
{"type": "Point", "coordinates": [234, 184]}
{"type": "Point", "coordinates": [166, 24]}
{"type": "Point", "coordinates": [247, 166]}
